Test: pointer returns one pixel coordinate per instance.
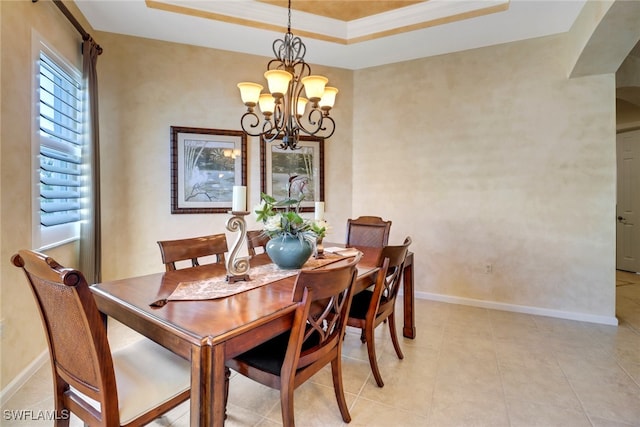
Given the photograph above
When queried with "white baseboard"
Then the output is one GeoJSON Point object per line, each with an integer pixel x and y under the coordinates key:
{"type": "Point", "coordinates": [569, 315]}
{"type": "Point", "coordinates": [11, 388]}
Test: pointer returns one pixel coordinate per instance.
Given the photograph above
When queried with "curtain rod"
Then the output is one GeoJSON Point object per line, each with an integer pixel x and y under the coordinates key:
{"type": "Point", "coordinates": [74, 22]}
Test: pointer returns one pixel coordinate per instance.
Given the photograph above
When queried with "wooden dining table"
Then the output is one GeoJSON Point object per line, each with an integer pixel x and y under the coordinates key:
{"type": "Point", "coordinates": [208, 332]}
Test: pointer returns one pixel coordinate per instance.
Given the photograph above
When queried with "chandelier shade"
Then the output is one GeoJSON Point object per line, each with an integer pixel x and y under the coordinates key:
{"type": "Point", "coordinates": [288, 111]}
{"type": "Point", "coordinates": [250, 93]}
{"type": "Point", "coordinates": [314, 87]}
{"type": "Point", "coordinates": [328, 98]}
{"type": "Point", "coordinates": [267, 104]}
{"type": "Point", "coordinates": [278, 82]}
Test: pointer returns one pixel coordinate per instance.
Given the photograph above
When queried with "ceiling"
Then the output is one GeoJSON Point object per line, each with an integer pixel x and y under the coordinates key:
{"type": "Point", "coordinates": [351, 34]}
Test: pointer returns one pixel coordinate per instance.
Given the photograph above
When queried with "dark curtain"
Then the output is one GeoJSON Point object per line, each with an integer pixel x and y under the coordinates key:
{"type": "Point", "coordinates": [90, 237]}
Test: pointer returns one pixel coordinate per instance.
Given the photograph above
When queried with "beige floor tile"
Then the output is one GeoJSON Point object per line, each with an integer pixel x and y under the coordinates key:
{"type": "Point", "coordinates": [251, 395]}
{"type": "Point", "coordinates": [601, 422]}
{"type": "Point", "coordinates": [171, 418]}
{"type": "Point", "coordinates": [529, 414]}
{"type": "Point", "coordinates": [534, 359]}
{"type": "Point", "coordinates": [544, 388]}
{"type": "Point", "coordinates": [593, 369]}
{"type": "Point", "coordinates": [616, 401]}
{"type": "Point", "coordinates": [36, 392]}
{"type": "Point", "coordinates": [517, 332]}
{"type": "Point", "coordinates": [354, 375]}
{"type": "Point", "coordinates": [314, 405]}
{"type": "Point", "coordinates": [367, 413]}
{"type": "Point", "coordinates": [237, 417]}
{"type": "Point", "coordinates": [431, 337]}
{"type": "Point", "coordinates": [632, 369]}
{"type": "Point", "coordinates": [467, 408]}
{"type": "Point", "coordinates": [408, 387]}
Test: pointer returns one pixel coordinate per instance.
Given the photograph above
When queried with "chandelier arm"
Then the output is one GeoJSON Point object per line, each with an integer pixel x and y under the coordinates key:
{"type": "Point", "coordinates": [332, 126]}
{"type": "Point", "coordinates": [279, 115]}
{"type": "Point", "coordinates": [301, 69]}
{"type": "Point", "coordinates": [316, 120]}
{"type": "Point", "coordinates": [313, 121]}
{"type": "Point", "coordinates": [250, 121]}
{"type": "Point", "coordinates": [269, 128]}
{"type": "Point", "coordinates": [271, 135]}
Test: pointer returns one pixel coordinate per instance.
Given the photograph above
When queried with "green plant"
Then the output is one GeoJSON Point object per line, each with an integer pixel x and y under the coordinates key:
{"type": "Point", "coordinates": [282, 218]}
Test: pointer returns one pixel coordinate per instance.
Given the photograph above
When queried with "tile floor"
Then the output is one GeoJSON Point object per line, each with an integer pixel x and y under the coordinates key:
{"type": "Point", "coordinates": [467, 367]}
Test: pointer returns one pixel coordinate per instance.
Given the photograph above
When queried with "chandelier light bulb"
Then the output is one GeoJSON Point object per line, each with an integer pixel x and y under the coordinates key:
{"type": "Point", "coordinates": [267, 104]}
{"type": "Point", "coordinates": [328, 98]}
{"type": "Point", "coordinates": [278, 81]}
{"type": "Point", "coordinates": [249, 92]}
{"type": "Point", "coordinates": [314, 87]}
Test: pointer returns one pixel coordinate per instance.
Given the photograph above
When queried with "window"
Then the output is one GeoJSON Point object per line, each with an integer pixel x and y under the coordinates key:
{"type": "Point", "coordinates": [59, 152]}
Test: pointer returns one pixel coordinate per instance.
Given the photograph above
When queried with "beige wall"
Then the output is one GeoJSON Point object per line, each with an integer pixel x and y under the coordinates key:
{"type": "Point", "coordinates": [490, 156]}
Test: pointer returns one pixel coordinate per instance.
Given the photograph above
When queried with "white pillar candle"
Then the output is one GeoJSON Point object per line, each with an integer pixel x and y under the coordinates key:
{"type": "Point", "coordinates": [319, 211]}
{"type": "Point", "coordinates": [239, 202]}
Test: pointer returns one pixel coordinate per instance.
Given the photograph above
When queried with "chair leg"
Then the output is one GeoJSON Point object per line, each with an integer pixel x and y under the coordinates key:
{"type": "Point", "coordinates": [227, 376]}
{"type": "Point", "coordinates": [63, 414]}
{"type": "Point", "coordinates": [338, 388]}
{"type": "Point", "coordinates": [286, 406]}
{"type": "Point", "coordinates": [371, 350]}
{"type": "Point", "coordinates": [394, 335]}
{"type": "Point", "coordinates": [62, 419]}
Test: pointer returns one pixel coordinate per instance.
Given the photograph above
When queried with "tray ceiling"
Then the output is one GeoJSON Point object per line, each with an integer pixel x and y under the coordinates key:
{"type": "Point", "coordinates": [348, 34]}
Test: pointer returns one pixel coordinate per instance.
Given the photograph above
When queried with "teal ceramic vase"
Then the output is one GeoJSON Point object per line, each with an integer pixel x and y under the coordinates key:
{"type": "Point", "coordinates": [288, 252]}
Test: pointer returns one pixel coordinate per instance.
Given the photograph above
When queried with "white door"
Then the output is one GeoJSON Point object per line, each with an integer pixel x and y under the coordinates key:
{"type": "Point", "coordinates": [628, 205]}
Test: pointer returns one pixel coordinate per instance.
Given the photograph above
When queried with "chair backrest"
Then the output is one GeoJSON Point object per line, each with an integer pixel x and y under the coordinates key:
{"type": "Point", "coordinates": [324, 299]}
{"type": "Point", "coordinates": [77, 338]}
{"type": "Point", "coordinates": [370, 231]}
{"type": "Point", "coordinates": [388, 283]}
{"type": "Point", "coordinates": [192, 249]}
{"type": "Point", "coordinates": [256, 239]}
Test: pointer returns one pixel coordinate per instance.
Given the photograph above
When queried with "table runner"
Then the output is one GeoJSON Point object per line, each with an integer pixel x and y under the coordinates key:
{"type": "Point", "coordinates": [218, 287]}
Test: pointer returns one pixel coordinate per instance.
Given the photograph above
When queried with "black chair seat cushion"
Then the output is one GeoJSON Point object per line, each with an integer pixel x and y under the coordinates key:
{"type": "Point", "coordinates": [269, 356]}
{"type": "Point", "coordinates": [360, 304]}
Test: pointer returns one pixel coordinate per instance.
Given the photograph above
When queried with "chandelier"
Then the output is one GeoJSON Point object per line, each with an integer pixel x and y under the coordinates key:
{"type": "Point", "coordinates": [286, 113]}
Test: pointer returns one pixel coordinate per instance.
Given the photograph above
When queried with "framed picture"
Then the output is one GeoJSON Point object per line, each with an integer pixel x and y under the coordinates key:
{"type": "Point", "coordinates": [287, 173]}
{"type": "Point", "coordinates": [205, 165]}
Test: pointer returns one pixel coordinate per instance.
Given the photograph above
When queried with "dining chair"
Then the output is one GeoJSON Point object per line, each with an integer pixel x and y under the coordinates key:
{"type": "Point", "coordinates": [370, 308]}
{"type": "Point", "coordinates": [129, 387]}
{"type": "Point", "coordinates": [370, 231]}
{"type": "Point", "coordinates": [323, 298]}
{"type": "Point", "coordinates": [256, 239]}
{"type": "Point", "coordinates": [192, 249]}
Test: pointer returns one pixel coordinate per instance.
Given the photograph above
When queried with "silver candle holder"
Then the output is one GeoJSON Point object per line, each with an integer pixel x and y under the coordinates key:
{"type": "Point", "coordinates": [237, 268]}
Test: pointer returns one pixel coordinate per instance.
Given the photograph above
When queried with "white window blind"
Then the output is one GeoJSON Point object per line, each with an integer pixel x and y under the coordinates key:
{"type": "Point", "coordinates": [60, 129]}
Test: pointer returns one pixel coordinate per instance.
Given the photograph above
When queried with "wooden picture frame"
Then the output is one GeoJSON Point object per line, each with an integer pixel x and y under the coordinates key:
{"type": "Point", "coordinates": [304, 167]}
{"type": "Point", "coordinates": [205, 165]}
